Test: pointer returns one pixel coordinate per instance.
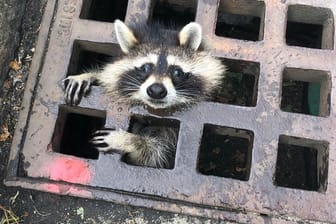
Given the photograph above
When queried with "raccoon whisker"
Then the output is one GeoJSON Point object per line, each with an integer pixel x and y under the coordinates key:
{"type": "Point", "coordinates": [190, 100]}
{"type": "Point", "coordinates": [182, 88]}
{"type": "Point", "coordinates": [188, 94]}
{"type": "Point", "coordinates": [190, 90]}
{"type": "Point", "coordinates": [121, 96]}
{"type": "Point", "coordinates": [129, 80]}
{"type": "Point", "coordinates": [128, 92]}
{"type": "Point", "coordinates": [132, 78]}
{"type": "Point", "coordinates": [135, 88]}
{"type": "Point", "coordinates": [189, 97]}
{"type": "Point", "coordinates": [186, 97]}
{"type": "Point", "coordinates": [130, 84]}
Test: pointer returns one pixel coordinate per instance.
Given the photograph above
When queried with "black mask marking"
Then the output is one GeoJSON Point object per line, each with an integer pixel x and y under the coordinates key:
{"type": "Point", "coordinates": [131, 81]}
{"type": "Point", "coordinates": [162, 63]}
{"type": "Point", "coordinates": [186, 84]}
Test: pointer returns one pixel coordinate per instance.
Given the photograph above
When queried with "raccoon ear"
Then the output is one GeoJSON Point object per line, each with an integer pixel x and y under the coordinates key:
{"type": "Point", "coordinates": [191, 36]}
{"type": "Point", "coordinates": [125, 36]}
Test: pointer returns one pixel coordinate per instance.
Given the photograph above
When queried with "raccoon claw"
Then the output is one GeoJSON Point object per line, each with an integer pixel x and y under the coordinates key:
{"type": "Point", "coordinates": [100, 140]}
{"type": "Point", "coordinates": [103, 132]}
{"type": "Point", "coordinates": [75, 89]}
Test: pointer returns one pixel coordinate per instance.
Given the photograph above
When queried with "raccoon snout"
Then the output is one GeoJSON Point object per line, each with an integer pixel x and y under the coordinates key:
{"type": "Point", "coordinates": [157, 91]}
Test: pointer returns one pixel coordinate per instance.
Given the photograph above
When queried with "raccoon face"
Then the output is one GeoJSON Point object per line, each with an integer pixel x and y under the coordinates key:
{"type": "Point", "coordinates": [165, 70]}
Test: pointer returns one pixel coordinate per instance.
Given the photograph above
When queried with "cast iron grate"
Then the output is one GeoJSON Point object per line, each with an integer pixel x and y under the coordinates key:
{"type": "Point", "coordinates": [272, 92]}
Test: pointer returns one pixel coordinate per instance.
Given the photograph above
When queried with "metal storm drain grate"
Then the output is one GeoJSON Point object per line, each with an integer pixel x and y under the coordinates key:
{"type": "Point", "coordinates": [261, 151]}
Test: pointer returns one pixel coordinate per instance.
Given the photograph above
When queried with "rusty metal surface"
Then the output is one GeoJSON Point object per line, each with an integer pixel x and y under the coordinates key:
{"type": "Point", "coordinates": [33, 163]}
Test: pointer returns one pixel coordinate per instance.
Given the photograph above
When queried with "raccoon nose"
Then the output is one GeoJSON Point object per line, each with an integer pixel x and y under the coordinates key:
{"type": "Point", "coordinates": [157, 91]}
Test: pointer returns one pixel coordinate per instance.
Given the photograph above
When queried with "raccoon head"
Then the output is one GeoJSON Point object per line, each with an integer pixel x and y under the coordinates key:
{"type": "Point", "coordinates": [162, 69]}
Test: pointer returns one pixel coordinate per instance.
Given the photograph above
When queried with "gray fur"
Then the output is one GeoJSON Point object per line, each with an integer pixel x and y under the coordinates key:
{"type": "Point", "coordinates": [156, 147]}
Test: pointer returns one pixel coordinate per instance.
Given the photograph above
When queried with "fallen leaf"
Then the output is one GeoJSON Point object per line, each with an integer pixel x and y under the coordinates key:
{"type": "Point", "coordinates": [80, 212]}
{"type": "Point", "coordinates": [4, 135]}
{"type": "Point", "coordinates": [15, 65]}
{"type": "Point", "coordinates": [13, 199]}
{"type": "Point", "coordinates": [7, 84]}
{"type": "Point", "coordinates": [9, 216]}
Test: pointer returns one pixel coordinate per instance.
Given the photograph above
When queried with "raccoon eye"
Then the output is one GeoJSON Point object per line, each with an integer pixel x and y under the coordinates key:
{"type": "Point", "coordinates": [178, 74]}
{"type": "Point", "coordinates": [146, 68]}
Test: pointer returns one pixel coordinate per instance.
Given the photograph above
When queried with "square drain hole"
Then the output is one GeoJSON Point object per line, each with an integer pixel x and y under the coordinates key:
{"type": "Point", "coordinates": [241, 19]}
{"type": "Point", "coordinates": [306, 91]}
{"type": "Point", "coordinates": [302, 164]}
{"type": "Point", "coordinates": [88, 55]}
{"type": "Point", "coordinates": [174, 13]}
{"type": "Point", "coordinates": [163, 129]}
{"type": "Point", "coordinates": [310, 27]}
{"type": "Point", "coordinates": [104, 10]}
{"type": "Point", "coordinates": [73, 130]}
{"type": "Point", "coordinates": [240, 84]}
{"type": "Point", "coordinates": [225, 152]}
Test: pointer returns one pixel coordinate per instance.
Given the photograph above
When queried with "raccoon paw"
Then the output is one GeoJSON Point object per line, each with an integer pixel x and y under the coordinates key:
{"type": "Point", "coordinates": [76, 87]}
{"type": "Point", "coordinates": [103, 139]}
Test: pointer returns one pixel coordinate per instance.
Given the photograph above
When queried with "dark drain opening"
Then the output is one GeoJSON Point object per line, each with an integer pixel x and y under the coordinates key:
{"type": "Point", "coordinates": [225, 152]}
{"type": "Point", "coordinates": [304, 35]}
{"type": "Point", "coordinates": [238, 26]}
{"type": "Point", "coordinates": [295, 97]}
{"type": "Point", "coordinates": [74, 129]}
{"type": "Point", "coordinates": [174, 13]}
{"type": "Point", "coordinates": [301, 164]}
{"type": "Point", "coordinates": [240, 84]}
{"type": "Point", "coordinates": [306, 91]}
{"type": "Point", "coordinates": [166, 130]}
{"type": "Point", "coordinates": [240, 20]}
{"type": "Point", "coordinates": [104, 10]}
{"type": "Point", "coordinates": [310, 27]}
{"type": "Point", "coordinates": [88, 56]}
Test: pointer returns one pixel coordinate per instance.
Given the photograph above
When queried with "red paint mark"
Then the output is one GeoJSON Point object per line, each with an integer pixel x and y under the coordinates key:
{"type": "Point", "coordinates": [70, 170]}
{"type": "Point", "coordinates": [56, 189]}
{"type": "Point", "coordinates": [81, 193]}
{"type": "Point", "coordinates": [53, 188]}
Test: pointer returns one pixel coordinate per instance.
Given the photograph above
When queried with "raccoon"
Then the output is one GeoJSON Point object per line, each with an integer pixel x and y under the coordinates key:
{"type": "Point", "coordinates": [160, 69]}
